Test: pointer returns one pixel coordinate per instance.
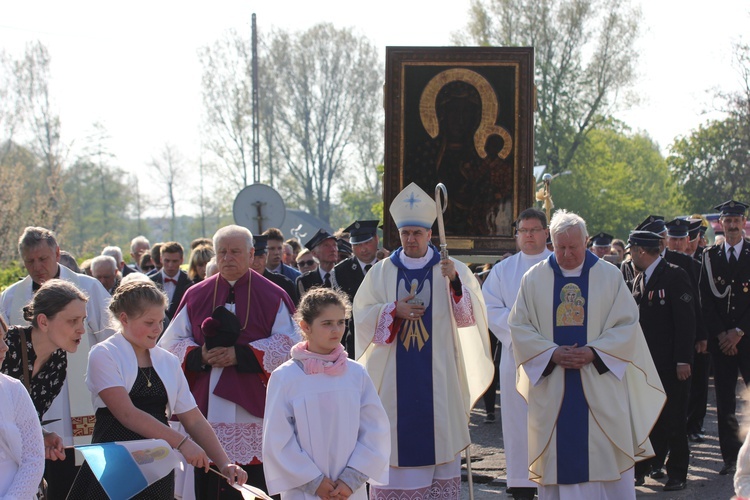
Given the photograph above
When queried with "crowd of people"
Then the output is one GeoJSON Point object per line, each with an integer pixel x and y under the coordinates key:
{"type": "Point", "coordinates": [311, 370]}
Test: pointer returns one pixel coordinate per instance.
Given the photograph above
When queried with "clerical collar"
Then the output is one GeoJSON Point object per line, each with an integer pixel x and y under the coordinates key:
{"type": "Point", "coordinates": [416, 263]}
{"type": "Point", "coordinates": [573, 272]}
{"type": "Point", "coordinates": [36, 286]}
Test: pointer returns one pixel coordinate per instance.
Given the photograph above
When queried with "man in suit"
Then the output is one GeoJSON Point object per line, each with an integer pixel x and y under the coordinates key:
{"type": "Point", "coordinates": [666, 314]}
{"type": "Point", "coordinates": [274, 255]}
{"type": "Point", "coordinates": [259, 266]}
{"type": "Point", "coordinates": [725, 294]}
{"type": "Point", "coordinates": [171, 278]}
{"type": "Point", "coordinates": [324, 247]}
{"type": "Point", "coordinates": [349, 273]}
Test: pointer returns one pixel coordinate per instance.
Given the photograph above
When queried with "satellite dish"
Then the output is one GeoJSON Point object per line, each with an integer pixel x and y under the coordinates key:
{"type": "Point", "coordinates": [259, 207]}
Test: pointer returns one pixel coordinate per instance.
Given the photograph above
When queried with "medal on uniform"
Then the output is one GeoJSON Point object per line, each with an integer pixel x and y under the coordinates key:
{"type": "Point", "coordinates": [745, 287]}
{"type": "Point", "coordinates": [662, 294]}
{"type": "Point", "coordinates": [650, 297]}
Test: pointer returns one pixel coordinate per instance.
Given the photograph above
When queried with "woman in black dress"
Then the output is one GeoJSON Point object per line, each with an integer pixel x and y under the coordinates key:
{"type": "Point", "coordinates": [138, 386]}
{"type": "Point", "coordinates": [56, 314]}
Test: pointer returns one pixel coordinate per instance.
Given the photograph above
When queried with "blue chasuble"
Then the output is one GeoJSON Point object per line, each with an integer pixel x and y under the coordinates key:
{"type": "Point", "coordinates": [570, 322]}
{"type": "Point", "coordinates": [416, 418]}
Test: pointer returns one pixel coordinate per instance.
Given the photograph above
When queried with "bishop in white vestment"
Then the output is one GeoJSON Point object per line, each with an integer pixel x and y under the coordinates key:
{"type": "Point", "coordinates": [421, 332]}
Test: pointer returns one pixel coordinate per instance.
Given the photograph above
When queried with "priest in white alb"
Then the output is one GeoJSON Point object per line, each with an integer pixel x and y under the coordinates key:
{"type": "Point", "coordinates": [500, 290]}
{"type": "Point", "coordinates": [591, 386]}
{"type": "Point", "coordinates": [421, 332]}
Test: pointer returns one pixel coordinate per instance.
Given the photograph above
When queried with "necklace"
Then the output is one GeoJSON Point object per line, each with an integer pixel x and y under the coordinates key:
{"type": "Point", "coordinates": [145, 375]}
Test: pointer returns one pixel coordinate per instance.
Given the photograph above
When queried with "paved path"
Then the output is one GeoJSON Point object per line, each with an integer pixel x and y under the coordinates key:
{"type": "Point", "coordinates": [704, 482]}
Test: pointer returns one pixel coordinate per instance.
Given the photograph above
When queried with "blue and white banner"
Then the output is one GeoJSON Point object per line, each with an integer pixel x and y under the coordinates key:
{"type": "Point", "coordinates": [125, 468]}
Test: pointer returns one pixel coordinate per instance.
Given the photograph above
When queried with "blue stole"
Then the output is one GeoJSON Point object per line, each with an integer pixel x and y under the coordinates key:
{"type": "Point", "coordinates": [570, 314]}
{"type": "Point", "coordinates": [416, 412]}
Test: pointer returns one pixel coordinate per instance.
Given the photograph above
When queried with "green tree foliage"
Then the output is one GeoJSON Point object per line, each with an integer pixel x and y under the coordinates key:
{"type": "Point", "coordinates": [359, 201]}
{"type": "Point", "coordinates": [98, 199]}
{"type": "Point", "coordinates": [23, 195]}
{"type": "Point", "coordinates": [10, 273]}
{"type": "Point", "coordinates": [616, 180]}
{"type": "Point", "coordinates": [584, 58]}
{"type": "Point", "coordinates": [711, 163]}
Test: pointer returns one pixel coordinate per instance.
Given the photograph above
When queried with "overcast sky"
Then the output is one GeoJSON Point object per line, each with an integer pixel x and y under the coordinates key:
{"type": "Point", "coordinates": [133, 66]}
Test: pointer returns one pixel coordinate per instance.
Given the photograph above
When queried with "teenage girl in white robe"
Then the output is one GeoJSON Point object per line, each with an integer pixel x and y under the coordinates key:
{"type": "Point", "coordinates": [325, 432]}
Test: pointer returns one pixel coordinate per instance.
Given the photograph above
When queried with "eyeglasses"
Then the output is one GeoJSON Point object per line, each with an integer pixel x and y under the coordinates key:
{"type": "Point", "coordinates": [533, 231]}
{"type": "Point", "coordinates": [305, 263]}
{"type": "Point", "coordinates": [148, 268]}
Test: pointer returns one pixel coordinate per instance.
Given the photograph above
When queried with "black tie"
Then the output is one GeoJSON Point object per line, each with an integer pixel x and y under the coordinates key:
{"type": "Point", "coordinates": [368, 267]}
{"type": "Point", "coordinates": [327, 280]}
{"type": "Point", "coordinates": [732, 257]}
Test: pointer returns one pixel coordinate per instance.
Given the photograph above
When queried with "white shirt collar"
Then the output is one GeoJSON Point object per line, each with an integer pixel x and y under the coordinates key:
{"type": "Point", "coordinates": [737, 249]}
{"type": "Point", "coordinates": [363, 264]}
{"type": "Point", "coordinates": [164, 276]}
{"type": "Point", "coordinates": [650, 270]}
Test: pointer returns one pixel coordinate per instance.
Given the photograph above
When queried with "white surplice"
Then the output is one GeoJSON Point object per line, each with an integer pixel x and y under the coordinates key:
{"type": "Point", "coordinates": [500, 290]}
{"type": "Point", "coordinates": [321, 424]}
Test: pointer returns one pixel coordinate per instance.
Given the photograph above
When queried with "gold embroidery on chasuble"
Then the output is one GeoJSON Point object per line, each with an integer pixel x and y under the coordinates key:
{"type": "Point", "coordinates": [570, 312]}
{"type": "Point", "coordinates": [413, 333]}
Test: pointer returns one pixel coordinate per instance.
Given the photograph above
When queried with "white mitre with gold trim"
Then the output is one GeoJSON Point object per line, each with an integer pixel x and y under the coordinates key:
{"type": "Point", "coordinates": [413, 207]}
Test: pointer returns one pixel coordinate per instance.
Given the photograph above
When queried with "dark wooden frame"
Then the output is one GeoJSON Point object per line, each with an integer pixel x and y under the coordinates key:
{"type": "Point", "coordinates": [496, 65]}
